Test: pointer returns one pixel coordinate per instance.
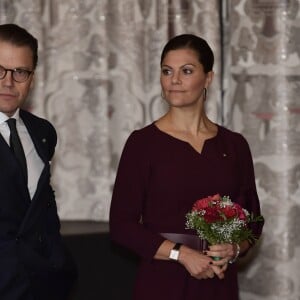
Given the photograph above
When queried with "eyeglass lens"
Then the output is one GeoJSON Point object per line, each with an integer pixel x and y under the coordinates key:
{"type": "Point", "coordinates": [19, 75]}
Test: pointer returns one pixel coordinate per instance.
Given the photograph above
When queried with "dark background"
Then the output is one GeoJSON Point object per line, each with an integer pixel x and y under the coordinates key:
{"type": "Point", "coordinates": [105, 270]}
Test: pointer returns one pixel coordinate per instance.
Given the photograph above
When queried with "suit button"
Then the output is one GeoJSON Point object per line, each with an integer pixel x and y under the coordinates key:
{"type": "Point", "coordinates": [17, 240]}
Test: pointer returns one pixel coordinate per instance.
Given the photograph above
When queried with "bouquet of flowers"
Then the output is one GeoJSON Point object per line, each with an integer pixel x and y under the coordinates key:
{"type": "Point", "coordinates": [219, 220]}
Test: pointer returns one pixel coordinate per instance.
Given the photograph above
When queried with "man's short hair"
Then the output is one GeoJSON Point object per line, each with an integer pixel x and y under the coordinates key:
{"type": "Point", "coordinates": [19, 36]}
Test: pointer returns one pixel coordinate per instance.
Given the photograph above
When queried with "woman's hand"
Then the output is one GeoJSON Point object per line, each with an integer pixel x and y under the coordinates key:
{"type": "Point", "coordinates": [219, 267]}
{"type": "Point", "coordinates": [202, 265]}
{"type": "Point", "coordinates": [223, 253]}
{"type": "Point", "coordinates": [196, 263]}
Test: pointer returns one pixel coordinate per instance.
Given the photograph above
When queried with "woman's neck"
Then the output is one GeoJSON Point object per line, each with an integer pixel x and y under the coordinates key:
{"type": "Point", "coordinates": [190, 123]}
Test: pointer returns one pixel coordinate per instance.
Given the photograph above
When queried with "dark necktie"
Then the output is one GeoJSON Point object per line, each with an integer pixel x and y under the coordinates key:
{"type": "Point", "coordinates": [16, 146]}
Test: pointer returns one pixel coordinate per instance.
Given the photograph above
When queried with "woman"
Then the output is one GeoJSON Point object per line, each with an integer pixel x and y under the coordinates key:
{"type": "Point", "coordinates": [167, 166]}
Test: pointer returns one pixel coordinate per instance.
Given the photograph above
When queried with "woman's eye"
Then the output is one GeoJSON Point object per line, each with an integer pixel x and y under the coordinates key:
{"type": "Point", "coordinates": [166, 71]}
{"type": "Point", "coordinates": [187, 71]}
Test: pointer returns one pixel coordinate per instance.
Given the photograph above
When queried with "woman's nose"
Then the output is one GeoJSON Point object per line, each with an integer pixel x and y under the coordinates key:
{"type": "Point", "coordinates": [176, 78]}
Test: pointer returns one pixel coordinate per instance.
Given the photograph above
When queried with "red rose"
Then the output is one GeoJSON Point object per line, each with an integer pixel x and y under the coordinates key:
{"type": "Point", "coordinates": [216, 197]}
{"type": "Point", "coordinates": [206, 202]}
{"type": "Point", "coordinates": [212, 215]}
{"type": "Point", "coordinates": [240, 212]}
{"type": "Point", "coordinates": [201, 204]}
{"type": "Point", "coordinates": [230, 212]}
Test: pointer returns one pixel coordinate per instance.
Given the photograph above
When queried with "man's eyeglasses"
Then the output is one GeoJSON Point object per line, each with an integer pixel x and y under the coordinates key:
{"type": "Point", "coordinates": [18, 75]}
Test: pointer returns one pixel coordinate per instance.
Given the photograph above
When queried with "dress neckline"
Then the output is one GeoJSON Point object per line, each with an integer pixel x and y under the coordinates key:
{"type": "Point", "coordinates": [206, 141]}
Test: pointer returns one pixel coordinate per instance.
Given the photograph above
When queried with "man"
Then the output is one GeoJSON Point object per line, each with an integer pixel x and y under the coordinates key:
{"type": "Point", "coordinates": [34, 264]}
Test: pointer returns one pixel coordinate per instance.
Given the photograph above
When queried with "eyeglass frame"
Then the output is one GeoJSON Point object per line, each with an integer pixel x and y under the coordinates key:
{"type": "Point", "coordinates": [13, 72]}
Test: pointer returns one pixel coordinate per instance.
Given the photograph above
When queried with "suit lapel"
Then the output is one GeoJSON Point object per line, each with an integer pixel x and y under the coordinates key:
{"type": "Point", "coordinates": [41, 149]}
{"type": "Point", "coordinates": [40, 144]}
{"type": "Point", "coordinates": [37, 138]}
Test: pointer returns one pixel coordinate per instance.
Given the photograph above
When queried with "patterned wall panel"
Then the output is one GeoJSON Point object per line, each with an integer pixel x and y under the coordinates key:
{"type": "Point", "coordinates": [263, 104]}
{"type": "Point", "coordinates": [98, 79]}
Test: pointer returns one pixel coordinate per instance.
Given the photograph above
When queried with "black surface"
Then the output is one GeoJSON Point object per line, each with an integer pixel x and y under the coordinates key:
{"type": "Point", "coordinates": [106, 271]}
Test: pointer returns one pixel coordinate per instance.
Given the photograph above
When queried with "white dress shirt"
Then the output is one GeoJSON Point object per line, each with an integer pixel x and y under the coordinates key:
{"type": "Point", "coordinates": [34, 163]}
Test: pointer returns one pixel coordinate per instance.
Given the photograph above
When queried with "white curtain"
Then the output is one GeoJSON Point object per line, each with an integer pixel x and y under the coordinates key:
{"type": "Point", "coordinates": [262, 97]}
{"type": "Point", "coordinates": [98, 79]}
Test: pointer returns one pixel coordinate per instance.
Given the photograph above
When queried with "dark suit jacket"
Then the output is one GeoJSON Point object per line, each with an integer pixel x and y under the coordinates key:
{"type": "Point", "coordinates": [34, 264]}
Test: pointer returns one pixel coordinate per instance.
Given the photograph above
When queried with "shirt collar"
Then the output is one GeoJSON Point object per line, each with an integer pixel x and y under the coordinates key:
{"type": "Point", "coordinates": [4, 117]}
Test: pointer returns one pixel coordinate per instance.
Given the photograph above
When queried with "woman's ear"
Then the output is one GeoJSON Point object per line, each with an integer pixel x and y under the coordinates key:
{"type": "Point", "coordinates": [209, 78]}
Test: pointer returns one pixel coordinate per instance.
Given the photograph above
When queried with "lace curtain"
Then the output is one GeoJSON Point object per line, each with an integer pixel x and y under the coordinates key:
{"type": "Point", "coordinates": [98, 79]}
{"type": "Point", "coordinates": [262, 97]}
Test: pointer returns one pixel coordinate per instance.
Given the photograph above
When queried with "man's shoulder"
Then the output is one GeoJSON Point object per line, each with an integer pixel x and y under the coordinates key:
{"type": "Point", "coordinates": [34, 120]}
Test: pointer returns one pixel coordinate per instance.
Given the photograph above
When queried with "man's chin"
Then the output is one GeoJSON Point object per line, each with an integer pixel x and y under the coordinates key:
{"type": "Point", "coordinates": [8, 111]}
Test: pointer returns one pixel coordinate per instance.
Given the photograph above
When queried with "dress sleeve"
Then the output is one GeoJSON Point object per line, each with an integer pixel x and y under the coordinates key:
{"type": "Point", "coordinates": [129, 193]}
{"type": "Point", "coordinates": [248, 196]}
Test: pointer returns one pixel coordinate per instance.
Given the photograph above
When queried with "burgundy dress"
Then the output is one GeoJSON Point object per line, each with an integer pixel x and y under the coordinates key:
{"type": "Point", "coordinates": [158, 180]}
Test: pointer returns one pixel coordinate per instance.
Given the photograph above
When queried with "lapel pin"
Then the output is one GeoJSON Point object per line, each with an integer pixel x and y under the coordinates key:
{"type": "Point", "coordinates": [44, 140]}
